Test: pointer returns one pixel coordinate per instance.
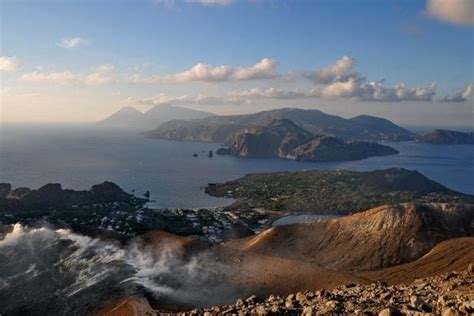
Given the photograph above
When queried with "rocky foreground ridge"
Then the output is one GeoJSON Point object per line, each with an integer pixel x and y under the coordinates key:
{"type": "Point", "coordinates": [284, 139]}
{"type": "Point", "coordinates": [447, 294]}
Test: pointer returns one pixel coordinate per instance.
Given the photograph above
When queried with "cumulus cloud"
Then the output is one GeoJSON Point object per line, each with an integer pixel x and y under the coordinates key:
{"type": "Point", "coordinates": [9, 63]}
{"type": "Point", "coordinates": [376, 91]}
{"type": "Point", "coordinates": [340, 80]}
{"type": "Point", "coordinates": [265, 69]}
{"type": "Point", "coordinates": [460, 12]}
{"type": "Point", "coordinates": [461, 96]}
{"type": "Point", "coordinates": [342, 70]}
{"type": "Point", "coordinates": [63, 77]}
{"type": "Point", "coordinates": [72, 42]}
{"type": "Point", "coordinates": [262, 70]}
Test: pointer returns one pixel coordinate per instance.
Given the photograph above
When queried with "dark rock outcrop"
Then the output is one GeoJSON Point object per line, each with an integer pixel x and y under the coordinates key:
{"type": "Point", "coordinates": [52, 196]}
{"type": "Point", "coordinates": [5, 189]}
{"type": "Point", "coordinates": [441, 136]}
{"type": "Point", "coordinates": [223, 151]}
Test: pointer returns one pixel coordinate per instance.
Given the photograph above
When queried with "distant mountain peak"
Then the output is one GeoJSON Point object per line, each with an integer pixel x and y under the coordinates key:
{"type": "Point", "coordinates": [129, 109]}
{"type": "Point", "coordinates": [130, 117]}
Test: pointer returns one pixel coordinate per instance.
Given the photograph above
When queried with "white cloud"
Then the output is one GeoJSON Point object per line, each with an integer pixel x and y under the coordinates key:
{"type": "Point", "coordinates": [461, 96]}
{"type": "Point", "coordinates": [67, 77]}
{"type": "Point", "coordinates": [460, 12]}
{"type": "Point", "coordinates": [340, 80]}
{"type": "Point", "coordinates": [265, 69]}
{"type": "Point", "coordinates": [202, 72]}
{"type": "Point", "coordinates": [9, 63]}
{"type": "Point", "coordinates": [340, 71]}
{"type": "Point", "coordinates": [105, 68]}
{"type": "Point", "coordinates": [376, 91]}
{"type": "Point", "coordinates": [344, 89]}
{"type": "Point", "coordinates": [262, 70]}
{"type": "Point", "coordinates": [72, 42]}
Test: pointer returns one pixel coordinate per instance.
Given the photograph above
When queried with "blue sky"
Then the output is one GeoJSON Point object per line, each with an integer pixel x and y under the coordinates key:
{"type": "Point", "coordinates": [387, 42]}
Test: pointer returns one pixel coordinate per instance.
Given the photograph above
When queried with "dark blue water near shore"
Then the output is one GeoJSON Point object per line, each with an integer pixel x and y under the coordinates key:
{"type": "Point", "coordinates": [80, 156]}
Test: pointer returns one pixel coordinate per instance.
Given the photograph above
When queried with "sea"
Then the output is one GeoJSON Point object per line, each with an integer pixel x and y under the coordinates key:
{"type": "Point", "coordinates": [46, 271]}
{"type": "Point", "coordinates": [79, 156]}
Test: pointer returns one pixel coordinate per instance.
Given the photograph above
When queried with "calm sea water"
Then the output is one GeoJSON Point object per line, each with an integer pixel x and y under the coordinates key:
{"type": "Point", "coordinates": [80, 156]}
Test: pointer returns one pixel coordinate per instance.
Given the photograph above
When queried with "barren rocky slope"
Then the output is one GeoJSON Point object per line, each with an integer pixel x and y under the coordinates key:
{"type": "Point", "coordinates": [380, 237]}
{"type": "Point", "coordinates": [450, 255]}
{"type": "Point", "coordinates": [447, 294]}
{"type": "Point", "coordinates": [424, 289]}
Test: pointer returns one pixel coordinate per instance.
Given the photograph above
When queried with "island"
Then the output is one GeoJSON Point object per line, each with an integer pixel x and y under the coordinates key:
{"type": "Point", "coordinates": [337, 192]}
{"type": "Point", "coordinates": [442, 136]}
{"type": "Point", "coordinates": [284, 139]}
{"type": "Point", "coordinates": [218, 128]}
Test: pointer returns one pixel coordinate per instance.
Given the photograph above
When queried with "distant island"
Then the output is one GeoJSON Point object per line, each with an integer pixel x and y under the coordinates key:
{"type": "Point", "coordinates": [218, 129]}
{"type": "Point", "coordinates": [332, 192]}
{"type": "Point", "coordinates": [284, 139]}
{"type": "Point", "coordinates": [441, 136]}
{"type": "Point", "coordinates": [129, 117]}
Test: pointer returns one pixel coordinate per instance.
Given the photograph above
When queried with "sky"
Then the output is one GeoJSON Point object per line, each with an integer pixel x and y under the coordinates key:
{"type": "Point", "coordinates": [410, 61]}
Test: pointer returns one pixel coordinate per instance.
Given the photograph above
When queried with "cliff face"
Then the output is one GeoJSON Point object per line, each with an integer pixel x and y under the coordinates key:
{"type": "Point", "coordinates": [278, 139]}
{"type": "Point", "coordinates": [380, 237]}
{"type": "Point", "coordinates": [440, 136]}
{"type": "Point", "coordinates": [284, 139]}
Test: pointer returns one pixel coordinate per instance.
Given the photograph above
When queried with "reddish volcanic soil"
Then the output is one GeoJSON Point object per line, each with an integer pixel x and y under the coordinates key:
{"type": "Point", "coordinates": [449, 255]}
{"type": "Point", "coordinates": [395, 244]}
{"type": "Point", "coordinates": [378, 238]}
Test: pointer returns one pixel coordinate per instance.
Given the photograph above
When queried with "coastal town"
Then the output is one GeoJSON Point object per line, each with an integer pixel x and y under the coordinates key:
{"type": "Point", "coordinates": [122, 215]}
